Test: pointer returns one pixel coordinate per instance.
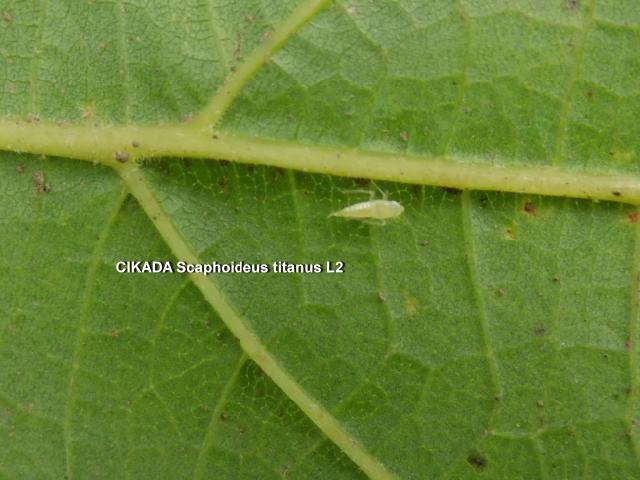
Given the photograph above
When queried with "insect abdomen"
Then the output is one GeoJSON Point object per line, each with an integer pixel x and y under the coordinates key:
{"type": "Point", "coordinates": [374, 209]}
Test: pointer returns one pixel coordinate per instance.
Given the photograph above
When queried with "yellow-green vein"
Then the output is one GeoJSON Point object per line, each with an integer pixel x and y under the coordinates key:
{"type": "Point", "coordinates": [250, 343]}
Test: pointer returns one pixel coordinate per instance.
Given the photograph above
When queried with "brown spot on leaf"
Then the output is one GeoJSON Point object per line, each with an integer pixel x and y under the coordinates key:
{"type": "Point", "coordinates": [135, 144]}
{"type": "Point", "coordinates": [411, 305]}
{"type": "Point", "coordinates": [632, 217]}
{"type": "Point", "coordinates": [424, 243]}
{"type": "Point", "coordinates": [477, 461]}
{"type": "Point", "coordinates": [529, 209]}
{"type": "Point", "coordinates": [404, 136]}
{"type": "Point", "coordinates": [381, 296]}
{"type": "Point", "coordinates": [540, 403]}
{"type": "Point", "coordinates": [20, 168]}
{"type": "Point", "coordinates": [38, 181]}
{"type": "Point", "coordinates": [572, 4]}
{"type": "Point", "coordinates": [508, 234]}
{"type": "Point", "coordinates": [556, 278]}
{"type": "Point", "coordinates": [617, 193]}
{"type": "Point", "coordinates": [7, 17]}
{"type": "Point", "coordinates": [86, 111]}
{"type": "Point", "coordinates": [266, 35]}
{"type": "Point", "coordinates": [452, 190]}
{"type": "Point", "coordinates": [361, 182]}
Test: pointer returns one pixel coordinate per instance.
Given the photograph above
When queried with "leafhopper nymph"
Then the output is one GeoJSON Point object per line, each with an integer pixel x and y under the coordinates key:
{"type": "Point", "coordinates": [371, 209]}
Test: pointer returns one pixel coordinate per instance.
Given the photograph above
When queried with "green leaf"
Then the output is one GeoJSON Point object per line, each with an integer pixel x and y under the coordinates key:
{"type": "Point", "coordinates": [488, 332]}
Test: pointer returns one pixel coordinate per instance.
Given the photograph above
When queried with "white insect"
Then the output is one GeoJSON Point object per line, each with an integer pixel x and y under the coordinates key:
{"type": "Point", "coordinates": [372, 209]}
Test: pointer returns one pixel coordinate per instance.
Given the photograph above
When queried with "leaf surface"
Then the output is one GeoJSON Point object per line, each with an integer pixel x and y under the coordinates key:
{"type": "Point", "coordinates": [486, 334]}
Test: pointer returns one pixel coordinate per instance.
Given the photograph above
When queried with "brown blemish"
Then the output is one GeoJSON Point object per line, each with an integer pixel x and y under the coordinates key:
{"type": "Point", "coordinates": [7, 17]}
{"type": "Point", "coordinates": [411, 305]}
{"type": "Point", "coordinates": [556, 278]}
{"type": "Point", "coordinates": [539, 331]}
{"type": "Point", "coordinates": [135, 144]}
{"type": "Point", "coordinates": [381, 296]}
{"type": "Point", "coordinates": [361, 182]}
{"type": "Point", "coordinates": [20, 168]}
{"type": "Point", "coordinates": [627, 344]}
{"type": "Point", "coordinates": [404, 137]}
{"type": "Point", "coordinates": [632, 217]}
{"type": "Point", "coordinates": [477, 461]}
{"type": "Point", "coordinates": [237, 52]}
{"type": "Point", "coordinates": [248, 18]}
{"type": "Point", "coordinates": [86, 111]}
{"type": "Point", "coordinates": [617, 193]}
{"type": "Point", "coordinates": [508, 234]}
{"type": "Point", "coordinates": [540, 403]}
{"type": "Point", "coordinates": [266, 35]}
{"type": "Point", "coordinates": [501, 292]}
{"type": "Point", "coordinates": [424, 243]}
{"type": "Point", "coordinates": [452, 190]}
{"type": "Point", "coordinates": [529, 209]}
{"type": "Point", "coordinates": [572, 4]}
{"type": "Point", "coordinates": [38, 182]}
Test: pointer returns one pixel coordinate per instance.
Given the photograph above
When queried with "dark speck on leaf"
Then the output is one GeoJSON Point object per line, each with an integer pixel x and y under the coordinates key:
{"type": "Point", "coordinates": [617, 194]}
{"type": "Point", "coordinates": [20, 168]}
{"type": "Point", "coordinates": [424, 243]}
{"type": "Point", "coordinates": [38, 181]}
{"type": "Point", "coordinates": [540, 403]}
{"type": "Point", "coordinates": [135, 144]}
{"type": "Point", "coordinates": [361, 181]}
{"type": "Point", "coordinates": [452, 191]}
{"type": "Point", "coordinates": [572, 4]}
{"type": "Point", "coordinates": [7, 17]}
{"type": "Point", "coordinates": [224, 163]}
{"type": "Point", "coordinates": [222, 182]}
{"type": "Point", "coordinates": [556, 278]}
{"type": "Point", "coordinates": [632, 217]}
{"type": "Point", "coordinates": [508, 234]}
{"type": "Point", "coordinates": [539, 331]}
{"type": "Point", "coordinates": [529, 209]}
{"type": "Point", "coordinates": [477, 461]}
